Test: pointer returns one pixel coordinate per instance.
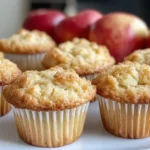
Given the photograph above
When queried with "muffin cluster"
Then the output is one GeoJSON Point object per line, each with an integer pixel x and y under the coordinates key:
{"type": "Point", "coordinates": [53, 85]}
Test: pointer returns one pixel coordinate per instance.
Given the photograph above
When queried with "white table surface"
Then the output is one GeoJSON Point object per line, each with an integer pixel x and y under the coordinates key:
{"type": "Point", "coordinates": [94, 136]}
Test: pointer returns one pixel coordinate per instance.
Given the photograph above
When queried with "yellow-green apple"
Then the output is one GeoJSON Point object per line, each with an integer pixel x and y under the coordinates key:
{"type": "Point", "coordinates": [43, 19]}
{"type": "Point", "coordinates": [76, 26]}
{"type": "Point", "coordinates": [121, 32]}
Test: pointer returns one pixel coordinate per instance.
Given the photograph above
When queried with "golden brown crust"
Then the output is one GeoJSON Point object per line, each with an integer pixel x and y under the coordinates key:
{"type": "Point", "coordinates": [126, 82]}
{"type": "Point", "coordinates": [8, 71]}
{"type": "Point", "coordinates": [53, 89]}
{"type": "Point", "coordinates": [141, 56]}
{"type": "Point", "coordinates": [81, 55]}
{"type": "Point", "coordinates": [27, 42]}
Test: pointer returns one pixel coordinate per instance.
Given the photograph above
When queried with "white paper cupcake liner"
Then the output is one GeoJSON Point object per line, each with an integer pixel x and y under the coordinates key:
{"type": "Point", "coordinates": [90, 77]}
{"type": "Point", "coordinates": [27, 61]}
{"type": "Point", "coordinates": [50, 129]}
{"type": "Point", "coordinates": [4, 106]}
{"type": "Point", "coordinates": [125, 120]}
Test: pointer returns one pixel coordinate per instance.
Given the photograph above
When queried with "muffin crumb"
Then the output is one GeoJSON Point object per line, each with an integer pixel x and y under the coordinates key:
{"type": "Point", "coordinates": [83, 56]}
{"type": "Point", "coordinates": [8, 71]}
{"type": "Point", "coordinates": [140, 56]}
{"type": "Point", "coordinates": [126, 82]}
{"type": "Point", "coordinates": [52, 89]}
{"type": "Point", "coordinates": [27, 42]}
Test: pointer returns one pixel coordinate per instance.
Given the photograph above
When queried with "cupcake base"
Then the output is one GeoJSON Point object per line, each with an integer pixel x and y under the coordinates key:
{"type": "Point", "coordinates": [27, 61]}
{"type": "Point", "coordinates": [125, 120]}
{"type": "Point", "coordinates": [90, 77]}
{"type": "Point", "coordinates": [50, 129]}
{"type": "Point", "coordinates": [4, 106]}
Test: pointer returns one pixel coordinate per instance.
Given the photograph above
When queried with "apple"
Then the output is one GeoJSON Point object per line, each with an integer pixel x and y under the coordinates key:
{"type": "Point", "coordinates": [43, 20]}
{"type": "Point", "coordinates": [121, 32]}
{"type": "Point", "coordinates": [76, 26]}
{"type": "Point", "coordinates": [148, 41]}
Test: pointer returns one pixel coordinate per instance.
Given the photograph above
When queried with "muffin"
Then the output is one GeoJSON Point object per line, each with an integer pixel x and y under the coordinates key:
{"type": "Point", "coordinates": [141, 56]}
{"type": "Point", "coordinates": [86, 58]}
{"type": "Point", "coordinates": [8, 72]}
{"type": "Point", "coordinates": [124, 99]}
{"type": "Point", "coordinates": [50, 106]}
{"type": "Point", "coordinates": [27, 48]}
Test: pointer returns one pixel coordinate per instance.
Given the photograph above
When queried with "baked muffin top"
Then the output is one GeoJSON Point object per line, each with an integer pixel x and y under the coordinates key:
{"type": "Point", "coordinates": [140, 56]}
{"type": "Point", "coordinates": [52, 89]}
{"type": "Point", "coordinates": [81, 55]}
{"type": "Point", "coordinates": [126, 82]}
{"type": "Point", "coordinates": [8, 71]}
{"type": "Point", "coordinates": [27, 42]}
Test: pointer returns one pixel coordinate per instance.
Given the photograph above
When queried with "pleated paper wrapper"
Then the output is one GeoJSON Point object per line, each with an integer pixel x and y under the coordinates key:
{"type": "Point", "coordinates": [90, 77]}
{"type": "Point", "coordinates": [27, 61]}
{"type": "Point", "coordinates": [50, 129]}
{"type": "Point", "coordinates": [125, 120]}
{"type": "Point", "coordinates": [4, 106]}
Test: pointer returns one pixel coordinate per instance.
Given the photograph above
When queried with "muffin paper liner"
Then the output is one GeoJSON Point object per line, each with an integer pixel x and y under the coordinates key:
{"type": "Point", "coordinates": [125, 120]}
{"type": "Point", "coordinates": [4, 106]}
{"type": "Point", "coordinates": [27, 61]}
{"type": "Point", "coordinates": [52, 128]}
{"type": "Point", "coordinates": [90, 77]}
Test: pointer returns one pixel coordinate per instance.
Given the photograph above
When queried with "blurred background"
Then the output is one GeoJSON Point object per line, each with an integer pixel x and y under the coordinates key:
{"type": "Point", "coordinates": [13, 12]}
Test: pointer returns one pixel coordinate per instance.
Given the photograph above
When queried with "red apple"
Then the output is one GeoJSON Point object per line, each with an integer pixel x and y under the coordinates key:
{"type": "Point", "coordinates": [44, 20]}
{"type": "Point", "coordinates": [148, 41]}
{"type": "Point", "coordinates": [76, 26]}
{"type": "Point", "coordinates": [121, 32]}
